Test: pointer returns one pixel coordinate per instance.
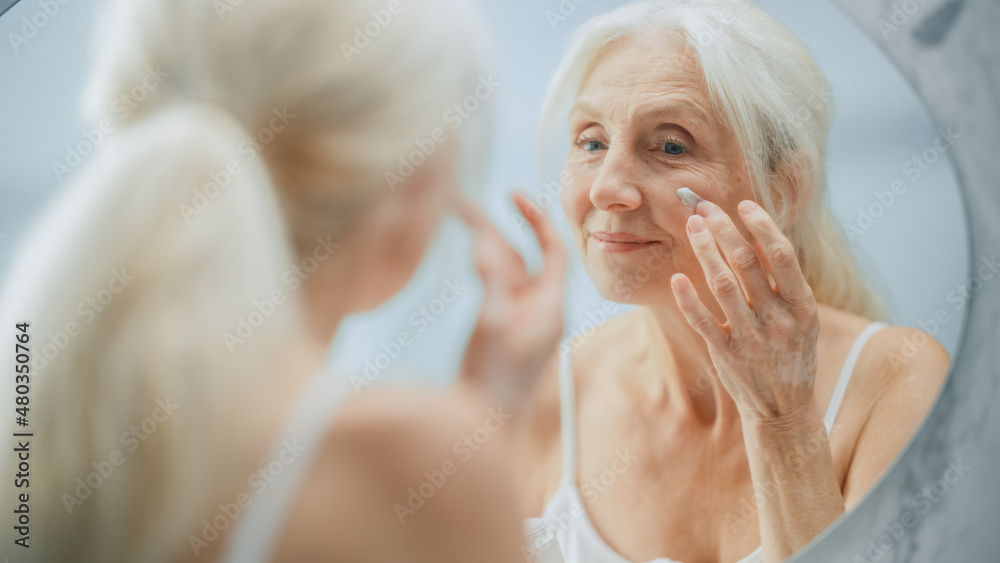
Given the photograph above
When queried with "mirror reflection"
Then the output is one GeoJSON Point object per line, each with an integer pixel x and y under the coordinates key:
{"type": "Point", "coordinates": [274, 300]}
{"type": "Point", "coordinates": [739, 408]}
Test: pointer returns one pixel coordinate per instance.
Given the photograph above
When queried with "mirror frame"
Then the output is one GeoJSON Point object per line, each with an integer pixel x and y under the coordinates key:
{"type": "Point", "coordinates": [950, 54]}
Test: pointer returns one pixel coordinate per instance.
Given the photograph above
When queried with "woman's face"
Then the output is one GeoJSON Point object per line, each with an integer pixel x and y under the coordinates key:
{"type": "Point", "coordinates": [641, 128]}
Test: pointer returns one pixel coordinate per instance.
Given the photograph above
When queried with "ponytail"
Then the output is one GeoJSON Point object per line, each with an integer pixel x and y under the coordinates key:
{"type": "Point", "coordinates": [131, 283]}
{"type": "Point", "coordinates": [158, 277]}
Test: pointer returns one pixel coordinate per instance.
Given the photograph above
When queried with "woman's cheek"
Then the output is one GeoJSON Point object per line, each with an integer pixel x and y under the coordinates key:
{"type": "Point", "coordinates": [575, 197]}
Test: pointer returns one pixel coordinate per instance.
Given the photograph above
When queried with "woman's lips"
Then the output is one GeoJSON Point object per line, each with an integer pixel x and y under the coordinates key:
{"type": "Point", "coordinates": [620, 242]}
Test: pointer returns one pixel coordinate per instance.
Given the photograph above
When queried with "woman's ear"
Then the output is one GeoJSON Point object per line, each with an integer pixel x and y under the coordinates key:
{"type": "Point", "coordinates": [792, 189]}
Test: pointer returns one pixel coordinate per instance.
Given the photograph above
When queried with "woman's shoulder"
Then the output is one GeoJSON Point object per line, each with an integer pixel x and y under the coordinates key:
{"type": "Point", "coordinates": [407, 430]}
{"type": "Point", "coordinates": [889, 354]}
{"type": "Point", "coordinates": [896, 381]}
{"type": "Point", "coordinates": [401, 456]}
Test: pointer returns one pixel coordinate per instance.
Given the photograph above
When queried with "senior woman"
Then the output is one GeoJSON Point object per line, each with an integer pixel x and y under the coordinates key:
{"type": "Point", "coordinates": [753, 396]}
{"type": "Point", "coordinates": [183, 289]}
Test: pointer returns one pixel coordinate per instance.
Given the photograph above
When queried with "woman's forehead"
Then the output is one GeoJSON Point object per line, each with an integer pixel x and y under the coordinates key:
{"type": "Point", "coordinates": [644, 62]}
{"type": "Point", "coordinates": [644, 78]}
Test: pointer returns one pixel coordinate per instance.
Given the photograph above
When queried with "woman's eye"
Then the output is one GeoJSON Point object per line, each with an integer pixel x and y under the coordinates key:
{"type": "Point", "coordinates": [672, 148]}
{"type": "Point", "coordinates": [592, 145]}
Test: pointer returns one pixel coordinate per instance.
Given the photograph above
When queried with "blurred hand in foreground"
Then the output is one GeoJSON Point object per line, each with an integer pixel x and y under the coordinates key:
{"type": "Point", "coordinates": [521, 318]}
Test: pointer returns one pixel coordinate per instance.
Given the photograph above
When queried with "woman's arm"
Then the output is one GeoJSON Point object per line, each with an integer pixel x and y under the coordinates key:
{"type": "Point", "coordinates": [791, 463]}
{"type": "Point", "coordinates": [912, 366]}
{"type": "Point", "coordinates": [521, 318]}
{"type": "Point", "coordinates": [765, 355]}
{"type": "Point", "coordinates": [794, 480]}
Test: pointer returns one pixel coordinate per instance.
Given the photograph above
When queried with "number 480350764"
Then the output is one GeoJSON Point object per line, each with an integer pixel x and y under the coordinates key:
{"type": "Point", "coordinates": [21, 379]}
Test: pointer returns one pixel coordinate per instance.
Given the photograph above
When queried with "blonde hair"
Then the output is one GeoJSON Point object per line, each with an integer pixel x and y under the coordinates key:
{"type": "Point", "coordinates": [161, 245]}
{"type": "Point", "coordinates": [763, 82]}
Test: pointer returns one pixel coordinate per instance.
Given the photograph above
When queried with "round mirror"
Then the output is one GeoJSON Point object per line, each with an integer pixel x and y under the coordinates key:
{"type": "Point", "coordinates": [891, 187]}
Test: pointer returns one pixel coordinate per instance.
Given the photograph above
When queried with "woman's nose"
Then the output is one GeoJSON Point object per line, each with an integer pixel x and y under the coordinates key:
{"type": "Point", "coordinates": [615, 189]}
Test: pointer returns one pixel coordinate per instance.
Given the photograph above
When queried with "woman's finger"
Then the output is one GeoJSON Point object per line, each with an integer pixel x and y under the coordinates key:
{"type": "Point", "coordinates": [720, 277]}
{"type": "Point", "coordinates": [505, 256]}
{"type": "Point", "coordinates": [742, 257]}
{"type": "Point", "coordinates": [778, 254]}
{"type": "Point", "coordinates": [697, 315]}
{"type": "Point", "coordinates": [552, 248]}
{"type": "Point", "coordinates": [496, 290]}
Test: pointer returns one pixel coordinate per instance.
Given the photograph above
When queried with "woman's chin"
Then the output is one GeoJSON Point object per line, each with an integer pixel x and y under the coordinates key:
{"type": "Point", "coordinates": [635, 286]}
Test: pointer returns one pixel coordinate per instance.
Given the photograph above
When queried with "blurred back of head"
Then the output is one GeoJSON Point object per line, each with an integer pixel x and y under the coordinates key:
{"type": "Point", "coordinates": [248, 136]}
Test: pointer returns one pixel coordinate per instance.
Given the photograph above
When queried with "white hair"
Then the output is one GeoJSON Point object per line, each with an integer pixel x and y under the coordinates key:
{"type": "Point", "coordinates": [769, 91]}
{"type": "Point", "coordinates": [133, 276]}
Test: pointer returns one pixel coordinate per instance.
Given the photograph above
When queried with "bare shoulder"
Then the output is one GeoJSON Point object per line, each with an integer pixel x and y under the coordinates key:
{"type": "Point", "coordinates": [396, 470]}
{"type": "Point", "coordinates": [893, 356]}
{"type": "Point", "coordinates": [897, 365]}
{"type": "Point", "coordinates": [401, 422]}
{"type": "Point", "coordinates": [907, 361]}
{"type": "Point", "coordinates": [901, 372]}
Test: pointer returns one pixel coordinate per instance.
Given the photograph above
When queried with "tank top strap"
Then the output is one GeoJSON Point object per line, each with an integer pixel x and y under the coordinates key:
{"type": "Point", "coordinates": [567, 416]}
{"type": "Point", "coordinates": [255, 532]}
{"type": "Point", "coordinates": [845, 373]}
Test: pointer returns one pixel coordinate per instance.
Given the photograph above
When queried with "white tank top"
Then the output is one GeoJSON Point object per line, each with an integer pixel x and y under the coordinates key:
{"type": "Point", "coordinates": [256, 530]}
{"type": "Point", "coordinates": [565, 512]}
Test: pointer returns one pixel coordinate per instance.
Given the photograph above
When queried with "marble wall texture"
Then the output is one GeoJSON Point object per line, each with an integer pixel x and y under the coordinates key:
{"type": "Point", "coordinates": [941, 500]}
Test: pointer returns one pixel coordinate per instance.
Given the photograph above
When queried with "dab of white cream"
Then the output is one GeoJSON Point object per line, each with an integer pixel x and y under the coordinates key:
{"type": "Point", "coordinates": [689, 198]}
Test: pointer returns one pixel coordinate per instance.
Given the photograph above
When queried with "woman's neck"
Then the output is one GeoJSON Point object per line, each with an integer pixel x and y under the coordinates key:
{"type": "Point", "coordinates": [686, 375]}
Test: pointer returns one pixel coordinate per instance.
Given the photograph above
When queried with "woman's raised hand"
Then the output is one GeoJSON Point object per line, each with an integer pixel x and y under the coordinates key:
{"type": "Point", "coordinates": [765, 353]}
{"type": "Point", "coordinates": [522, 316]}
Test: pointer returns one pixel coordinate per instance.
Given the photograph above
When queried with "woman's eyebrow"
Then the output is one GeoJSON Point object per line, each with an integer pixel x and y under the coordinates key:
{"type": "Point", "coordinates": [669, 111]}
{"type": "Point", "coordinates": [583, 108]}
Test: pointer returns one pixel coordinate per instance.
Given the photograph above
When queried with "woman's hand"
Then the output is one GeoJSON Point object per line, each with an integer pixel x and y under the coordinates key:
{"type": "Point", "coordinates": [522, 316]}
{"type": "Point", "coordinates": [765, 353]}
